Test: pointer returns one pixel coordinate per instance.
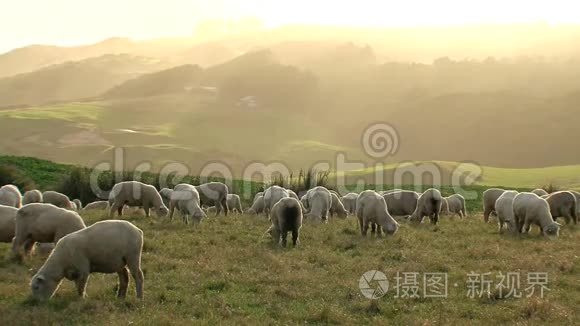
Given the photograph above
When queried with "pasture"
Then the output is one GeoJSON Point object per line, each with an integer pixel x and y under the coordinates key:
{"type": "Point", "coordinates": [225, 271]}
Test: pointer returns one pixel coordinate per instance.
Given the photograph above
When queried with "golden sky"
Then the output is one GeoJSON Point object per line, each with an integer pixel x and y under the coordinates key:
{"type": "Point", "coordinates": [72, 22]}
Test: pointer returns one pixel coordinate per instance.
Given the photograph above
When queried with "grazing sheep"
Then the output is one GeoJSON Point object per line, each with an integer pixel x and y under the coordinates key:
{"type": "Point", "coordinates": [214, 194]}
{"type": "Point", "coordinates": [7, 223]}
{"type": "Point", "coordinates": [349, 202]}
{"type": "Point", "coordinates": [272, 195]}
{"type": "Point", "coordinates": [444, 207]}
{"type": "Point", "coordinates": [136, 194]}
{"type": "Point", "coordinates": [456, 205]}
{"type": "Point", "coordinates": [401, 203]}
{"type": "Point", "coordinates": [489, 198]}
{"type": "Point", "coordinates": [235, 203]}
{"type": "Point", "coordinates": [286, 216]}
{"type": "Point", "coordinates": [57, 199]}
{"type": "Point", "coordinates": [261, 193]}
{"type": "Point", "coordinates": [10, 196]}
{"type": "Point", "coordinates": [540, 192]}
{"type": "Point", "coordinates": [185, 198]}
{"type": "Point", "coordinates": [577, 195]}
{"type": "Point", "coordinates": [78, 203]}
{"type": "Point", "coordinates": [336, 206]}
{"type": "Point", "coordinates": [32, 196]}
{"type": "Point", "coordinates": [39, 222]}
{"type": "Point", "coordinates": [166, 195]}
{"type": "Point", "coordinates": [257, 207]}
{"type": "Point", "coordinates": [504, 208]}
{"type": "Point", "coordinates": [97, 205]}
{"type": "Point", "coordinates": [428, 204]}
{"type": "Point", "coordinates": [371, 209]}
{"type": "Point", "coordinates": [319, 202]}
{"type": "Point", "coordinates": [563, 204]}
{"type": "Point", "coordinates": [104, 247]}
{"type": "Point", "coordinates": [530, 209]}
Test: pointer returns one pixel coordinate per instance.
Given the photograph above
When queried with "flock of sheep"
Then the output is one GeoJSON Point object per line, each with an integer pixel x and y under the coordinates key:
{"type": "Point", "coordinates": [115, 246]}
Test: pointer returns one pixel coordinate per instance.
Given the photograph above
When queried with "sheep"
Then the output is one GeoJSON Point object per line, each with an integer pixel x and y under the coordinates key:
{"type": "Point", "coordinates": [530, 209]}
{"type": "Point", "coordinates": [166, 195]}
{"type": "Point", "coordinates": [286, 216]}
{"type": "Point", "coordinates": [39, 222]}
{"type": "Point", "coordinates": [336, 206]}
{"type": "Point", "coordinates": [7, 223]}
{"type": "Point", "coordinates": [304, 201]}
{"type": "Point", "coordinates": [261, 193]}
{"type": "Point", "coordinates": [185, 198]}
{"type": "Point", "coordinates": [10, 196]}
{"type": "Point", "coordinates": [272, 195]}
{"type": "Point", "coordinates": [371, 209]}
{"type": "Point", "coordinates": [489, 198]}
{"type": "Point", "coordinates": [540, 192]}
{"type": "Point", "coordinates": [32, 196]}
{"type": "Point", "coordinates": [319, 203]}
{"type": "Point", "coordinates": [74, 206]}
{"type": "Point", "coordinates": [235, 203]}
{"type": "Point", "coordinates": [456, 205]}
{"type": "Point", "coordinates": [401, 203]}
{"type": "Point", "coordinates": [97, 205]}
{"type": "Point", "coordinates": [104, 247]}
{"type": "Point", "coordinates": [292, 194]}
{"type": "Point", "coordinates": [78, 203]}
{"type": "Point", "coordinates": [257, 207]}
{"type": "Point", "coordinates": [135, 193]}
{"type": "Point", "coordinates": [349, 202]}
{"type": "Point", "coordinates": [577, 195]}
{"type": "Point", "coordinates": [428, 204]}
{"type": "Point", "coordinates": [214, 193]}
{"type": "Point", "coordinates": [444, 207]}
{"type": "Point", "coordinates": [563, 204]}
{"type": "Point", "coordinates": [57, 199]}
{"type": "Point", "coordinates": [504, 208]}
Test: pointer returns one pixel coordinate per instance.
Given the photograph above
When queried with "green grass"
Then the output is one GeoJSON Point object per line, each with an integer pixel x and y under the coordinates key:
{"type": "Point", "coordinates": [72, 112]}
{"type": "Point", "coordinates": [225, 272]}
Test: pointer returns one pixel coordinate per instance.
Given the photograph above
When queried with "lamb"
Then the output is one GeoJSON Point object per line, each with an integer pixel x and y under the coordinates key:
{"type": "Point", "coordinates": [349, 202]}
{"type": "Point", "coordinates": [336, 206]}
{"type": "Point", "coordinates": [104, 247]}
{"type": "Point", "coordinates": [530, 209]}
{"type": "Point", "coordinates": [97, 205]}
{"type": "Point", "coordinates": [78, 204]}
{"type": "Point", "coordinates": [185, 198]}
{"type": "Point", "coordinates": [214, 193]}
{"type": "Point", "coordinates": [286, 216]}
{"type": "Point", "coordinates": [563, 204]}
{"type": "Point", "coordinates": [32, 196]}
{"type": "Point", "coordinates": [235, 203]}
{"type": "Point", "coordinates": [166, 195]}
{"type": "Point", "coordinates": [504, 208]}
{"type": "Point", "coordinates": [272, 195]}
{"type": "Point", "coordinates": [135, 193]}
{"type": "Point", "coordinates": [7, 223]}
{"type": "Point", "coordinates": [319, 202]}
{"type": "Point", "coordinates": [401, 203]}
{"type": "Point", "coordinates": [257, 207]}
{"type": "Point", "coordinates": [57, 199]}
{"type": "Point", "coordinates": [456, 205]}
{"type": "Point", "coordinates": [489, 198]}
{"type": "Point", "coordinates": [10, 196]}
{"type": "Point", "coordinates": [39, 222]}
{"type": "Point", "coordinates": [540, 192]}
{"type": "Point", "coordinates": [371, 209]}
{"type": "Point", "coordinates": [428, 204]}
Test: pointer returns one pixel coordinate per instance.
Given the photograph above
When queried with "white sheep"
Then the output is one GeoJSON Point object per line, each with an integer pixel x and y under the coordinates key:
{"type": "Point", "coordinates": [7, 223]}
{"type": "Point", "coordinates": [563, 204]}
{"type": "Point", "coordinates": [336, 206]}
{"type": "Point", "coordinates": [257, 206]}
{"type": "Point", "coordinates": [104, 247]}
{"type": "Point", "coordinates": [504, 208]}
{"type": "Point", "coordinates": [272, 195]}
{"type": "Point", "coordinates": [319, 203]}
{"type": "Point", "coordinates": [371, 210]}
{"type": "Point", "coordinates": [286, 216]}
{"type": "Point", "coordinates": [530, 209]}
{"type": "Point", "coordinates": [39, 222]}
{"type": "Point", "coordinates": [401, 202]}
{"type": "Point", "coordinates": [489, 198]}
{"type": "Point", "coordinates": [214, 194]}
{"type": "Point", "coordinates": [577, 195]}
{"type": "Point", "coordinates": [97, 205]}
{"type": "Point", "coordinates": [235, 203]}
{"type": "Point", "coordinates": [185, 198]}
{"type": "Point", "coordinates": [10, 196]}
{"type": "Point", "coordinates": [32, 196]}
{"type": "Point", "coordinates": [428, 204]}
{"type": "Point", "coordinates": [540, 192]}
{"type": "Point", "coordinates": [78, 204]}
{"type": "Point", "coordinates": [57, 199]}
{"type": "Point", "coordinates": [136, 194]}
{"type": "Point", "coordinates": [349, 202]}
{"type": "Point", "coordinates": [456, 205]}
{"type": "Point", "coordinates": [444, 207]}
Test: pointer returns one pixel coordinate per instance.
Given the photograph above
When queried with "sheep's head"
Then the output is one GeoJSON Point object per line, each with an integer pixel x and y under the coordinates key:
{"type": "Point", "coordinates": [162, 211]}
{"type": "Point", "coordinates": [391, 227]}
{"type": "Point", "coordinates": [43, 288]}
{"type": "Point", "coordinates": [342, 213]}
{"type": "Point", "coordinates": [552, 230]}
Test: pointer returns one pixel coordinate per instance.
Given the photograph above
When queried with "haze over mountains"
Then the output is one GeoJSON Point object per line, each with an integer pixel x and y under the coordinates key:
{"type": "Point", "coordinates": [503, 96]}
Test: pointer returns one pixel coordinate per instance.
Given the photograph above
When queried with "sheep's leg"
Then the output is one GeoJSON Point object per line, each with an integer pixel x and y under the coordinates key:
{"type": "Point", "coordinates": [137, 274]}
{"type": "Point", "coordinates": [360, 224]}
{"type": "Point", "coordinates": [81, 284]}
{"type": "Point", "coordinates": [171, 211]}
{"type": "Point", "coordinates": [284, 238]}
{"type": "Point", "coordinates": [294, 237]}
{"type": "Point", "coordinates": [486, 213]}
{"type": "Point", "coordinates": [28, 246]}
{"type": "Point", "coordinates": [147, 210]}
{"type": "Point", "coordinates": [120, 211]}
{"type": "Point", "coordinates": [123, 282]}
{"type": "Point", "coordinates": [379, 230]}
{"type": "Point", "coordinates": [224, 204]}
{"type": "Point", "coordinates": [16, 244]}
{"type": "Point", "coordinates": [373, 229]}
{"type": "Point", "coordinates": [365, 228]}
{"type": "Point", "coordinates": [501, 224]}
